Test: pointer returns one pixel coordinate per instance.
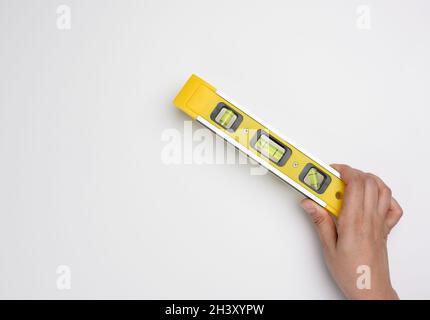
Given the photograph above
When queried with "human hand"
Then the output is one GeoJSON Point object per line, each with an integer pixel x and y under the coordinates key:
{"type": "Point", "coordinates": [359, 236]}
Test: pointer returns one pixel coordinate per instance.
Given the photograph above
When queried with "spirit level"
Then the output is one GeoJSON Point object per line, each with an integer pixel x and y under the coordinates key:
{"type": "Point", "coordinates": [260, 142]}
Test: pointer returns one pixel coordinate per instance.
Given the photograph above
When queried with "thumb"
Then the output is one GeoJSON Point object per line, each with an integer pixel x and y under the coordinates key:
{"type": "Point", "coordinates": [323, 222]}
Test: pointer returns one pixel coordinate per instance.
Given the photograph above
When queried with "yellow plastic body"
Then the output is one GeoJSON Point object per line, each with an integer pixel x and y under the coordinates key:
{"type": "Point", "coordinates": [198, 99]}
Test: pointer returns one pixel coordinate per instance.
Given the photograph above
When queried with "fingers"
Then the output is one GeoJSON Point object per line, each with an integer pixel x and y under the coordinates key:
{"type": "Point", "coordinates": [324, 223]}
{"type": "Point", "coordinates": [394, 214]}
{"type": "Point", "coordinates": [346, 172]}
{"type": "Point", "coordinates": [375, 197]}
{"type": "Point", "coordinates": [371, 196]}
{"type": "Point", "coordinates": [387, 205]}
{"type": "Point", "coordinates": [384, 201]}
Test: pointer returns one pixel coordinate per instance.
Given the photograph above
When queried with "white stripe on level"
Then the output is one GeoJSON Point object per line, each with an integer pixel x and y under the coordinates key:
{"type": "Point", "coordinates": [322, 164]}
{"type": "Point", "coordinates": [260, 161]}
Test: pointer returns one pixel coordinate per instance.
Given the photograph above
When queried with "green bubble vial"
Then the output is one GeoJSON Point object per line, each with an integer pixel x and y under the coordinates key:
{"type": "Point", "coordinates": [269, 148]}
{"type": "Point", "coordinates": [314, 179]}
{"type": "Point", "coordinates": [226, 118]}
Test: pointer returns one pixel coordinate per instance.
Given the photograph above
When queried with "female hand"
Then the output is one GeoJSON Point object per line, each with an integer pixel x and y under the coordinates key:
{"type": "Point", "coordinates": [357, 242]}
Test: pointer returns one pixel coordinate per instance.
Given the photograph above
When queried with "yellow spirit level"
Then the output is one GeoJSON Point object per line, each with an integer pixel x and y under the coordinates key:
{"type": "Point", "coordinates": [260, 142]}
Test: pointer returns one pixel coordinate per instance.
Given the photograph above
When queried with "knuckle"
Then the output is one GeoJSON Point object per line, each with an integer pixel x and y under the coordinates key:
{"type": "Point", "coordinates": [387, 191]}
{"type": "Point", "coordinates": [355, 178]}
{"type": "Point", "coordinates": [318, 219]}
{"type": "Point", "coordinates": [345, 167]}
{"type": "Point", "coordinates": [399, 213]}
{"type": "Point", "coordinates": [370, 181]}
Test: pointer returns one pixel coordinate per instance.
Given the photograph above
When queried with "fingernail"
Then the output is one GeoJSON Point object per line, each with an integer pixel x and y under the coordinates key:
{"type": "Point", "coordinates": [308, 207]}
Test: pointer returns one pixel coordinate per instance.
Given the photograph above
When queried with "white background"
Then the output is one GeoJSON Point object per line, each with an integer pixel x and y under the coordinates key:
{"type": "Point", "coordinates": [82, 112]}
